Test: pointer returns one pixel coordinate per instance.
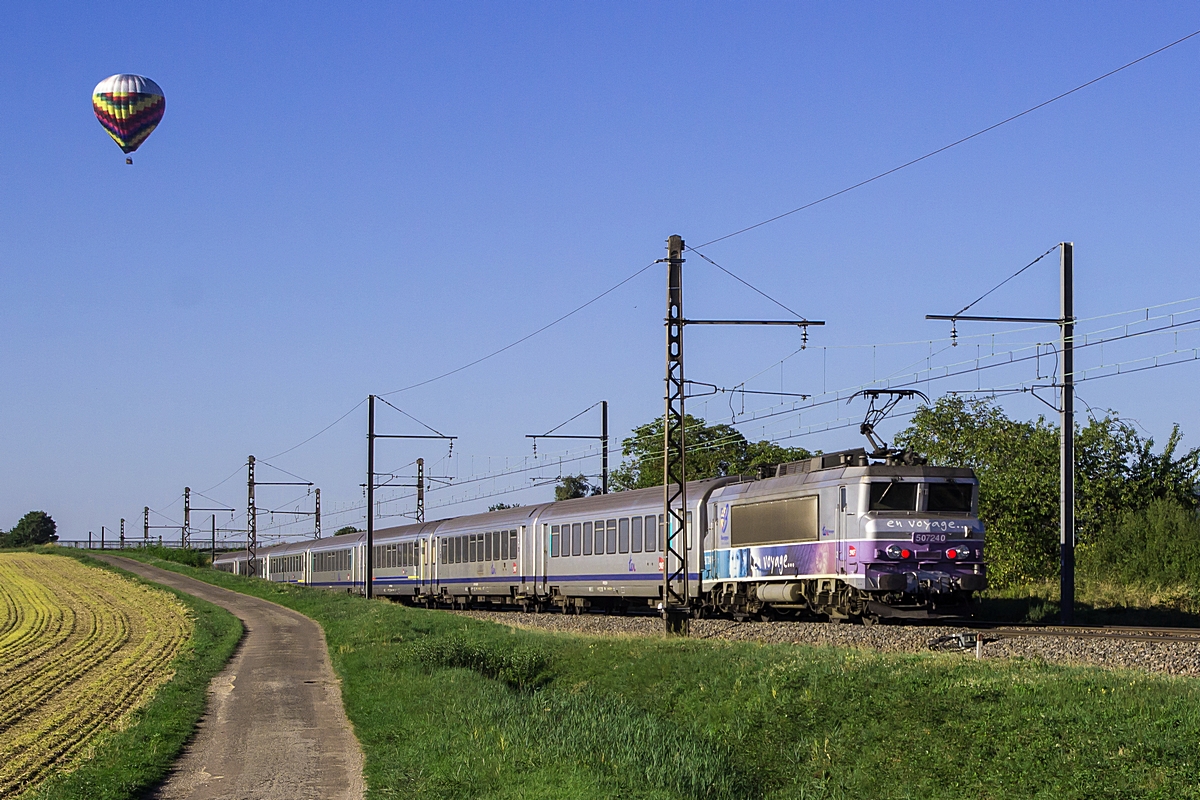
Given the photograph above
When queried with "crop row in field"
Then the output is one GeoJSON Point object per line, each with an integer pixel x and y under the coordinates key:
{"type": "Point", "coordinates": [79, 649]}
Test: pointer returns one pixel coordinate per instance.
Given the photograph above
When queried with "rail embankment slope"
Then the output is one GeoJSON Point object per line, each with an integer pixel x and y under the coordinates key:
{"type": "Point", "coordinates": [96, 674]}
{"type": "Point", "coordinates": [450, 707]}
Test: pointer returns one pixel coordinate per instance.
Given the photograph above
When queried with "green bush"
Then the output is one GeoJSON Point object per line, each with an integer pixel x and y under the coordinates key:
{"type": "Point", "coordinates": [1158, 545]}
{"type": "Point", "coordinates": [519, 668]}
{"type": "Point", "coordinates": [190, 558]}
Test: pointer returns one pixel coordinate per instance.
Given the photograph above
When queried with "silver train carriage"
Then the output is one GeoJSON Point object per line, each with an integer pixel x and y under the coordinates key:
{"type": "Point", "coordinates": [835, 535]}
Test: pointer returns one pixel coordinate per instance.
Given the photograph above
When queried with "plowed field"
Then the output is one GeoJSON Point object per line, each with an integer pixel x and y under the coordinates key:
{"type": "Point", "coordinates": [80, 648]}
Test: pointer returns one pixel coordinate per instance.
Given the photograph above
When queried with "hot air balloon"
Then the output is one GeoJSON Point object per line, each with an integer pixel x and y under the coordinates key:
{"type": "Point", "coordinates": [130, 108]}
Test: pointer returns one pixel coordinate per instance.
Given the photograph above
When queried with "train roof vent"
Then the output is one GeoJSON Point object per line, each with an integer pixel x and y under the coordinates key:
{"type": "Point", "coordinates": [857, 457]}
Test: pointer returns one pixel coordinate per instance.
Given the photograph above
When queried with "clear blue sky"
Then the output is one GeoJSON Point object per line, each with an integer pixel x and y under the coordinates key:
{"type": "Point", "coordinates": [351, 198]}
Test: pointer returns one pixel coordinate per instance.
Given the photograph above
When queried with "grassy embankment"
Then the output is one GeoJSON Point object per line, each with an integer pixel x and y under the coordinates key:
{"type": "Point", "coordinates": [123, 763]}
{"type": "Point", "coordinates": [449, 707]}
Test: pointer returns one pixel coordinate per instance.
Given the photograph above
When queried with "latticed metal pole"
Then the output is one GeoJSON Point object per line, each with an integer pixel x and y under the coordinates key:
{"type": "Point", "coordinates": [317, 515]}
{"type": "Point", "coordinates": [603, 447]}
{"type": "Point", "coordinates": [420, 490]}
{"type": "Point", "coordinates": [676, 599]}
{"type": "Point", "coordinates": [251, 522]}
{"type": "Point", "coordinates": [369, 566]}
{"type": "Point", "coordinates": [1067, 436]}
{"type": "Point", "coordinates": [187, 517]}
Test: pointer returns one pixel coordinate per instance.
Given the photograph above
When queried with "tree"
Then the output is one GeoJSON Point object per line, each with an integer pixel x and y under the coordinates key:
{"type": "Point", "coordinates": [503, 506]}
{"type": "Point", "coordinates": [346, 529]}
{"type": "Point", "coordinates": [36, 527]}
{"type": "Point", "coordinates": [571, 486]}
{"type": "Point", "coordinates": [1116, 472]}
{"type": "Point", "coordinates": [712, 451]}
{"type": "Point", "coordinates": [1017, 467]}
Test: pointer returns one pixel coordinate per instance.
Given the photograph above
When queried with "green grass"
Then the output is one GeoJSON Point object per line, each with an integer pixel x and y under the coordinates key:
{"type": "Point", "coordinates": [449, 707]}
{"type": "Point", "coordinates": [1098, 601]}
{"type": "Point", "coordinates": [123, 764]}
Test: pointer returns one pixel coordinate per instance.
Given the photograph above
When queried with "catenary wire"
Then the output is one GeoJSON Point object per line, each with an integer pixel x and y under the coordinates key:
{"type": "Point", "coordinates": [944, 148]}
{"type": "Point", "coordinates": [524, 338]}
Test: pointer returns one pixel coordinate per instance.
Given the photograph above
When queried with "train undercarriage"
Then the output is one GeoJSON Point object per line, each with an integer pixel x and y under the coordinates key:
{"type": "Point", "coordinates": [814, 599]}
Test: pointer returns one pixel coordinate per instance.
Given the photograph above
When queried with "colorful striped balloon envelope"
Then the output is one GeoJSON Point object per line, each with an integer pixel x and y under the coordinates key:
{"type": "Point", "coordinates": [130, 108]}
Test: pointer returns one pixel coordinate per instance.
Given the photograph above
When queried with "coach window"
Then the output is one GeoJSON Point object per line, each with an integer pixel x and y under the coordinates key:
{"type": "Point", "coordinates": [691, 532]}
{"type": "Point", "coordinates": [587, 538]}
{"type": "Point", "coordinates": [496, 536]}
{"type": "Point", "coordinates": [487, 546]}
{"type": "Point", "coordinates": [554, 542]}
{"type": "Point", "coordinates": [610, 536]}
{"type": "Point", "coordinates": [576, 539]}
{"type": "Point", "coordinates": [599, 549]}
{"type": "Point", "coordinates": [503, 546]}
{"type": "Point", "coordinates": [512, 545]}
{"type": "Point", "coordinates": [623, 535]}
{"type": "Point", "coordinates": [635, 541]}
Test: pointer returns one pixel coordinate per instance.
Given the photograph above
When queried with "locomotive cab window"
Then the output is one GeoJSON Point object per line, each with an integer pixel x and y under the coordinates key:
{"type": "Point", "coordinates": [893, 496]}
{"type": "Point", "coordinates": [949, 498]}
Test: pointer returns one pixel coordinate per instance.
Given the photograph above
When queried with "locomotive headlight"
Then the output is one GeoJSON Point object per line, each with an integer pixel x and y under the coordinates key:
{"type": "Point", "coordinates": [893, 551]}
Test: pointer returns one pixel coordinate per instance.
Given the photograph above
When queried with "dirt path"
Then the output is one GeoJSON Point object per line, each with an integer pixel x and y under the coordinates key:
{"type": "Point", "coordinates": [275, 728]}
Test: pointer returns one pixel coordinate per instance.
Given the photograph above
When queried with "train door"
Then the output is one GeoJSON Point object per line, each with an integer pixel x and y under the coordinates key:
{"type": "Point", "coordinates": [540, 549]}
{"type": "Point", "coordinates": [435, 564]}
{"type": "Point", "coordinates": [423, 568]}
{"type": "Point", "coordinates": [519, 557]}
{"type": "Point", "coordinates": [843, 527]}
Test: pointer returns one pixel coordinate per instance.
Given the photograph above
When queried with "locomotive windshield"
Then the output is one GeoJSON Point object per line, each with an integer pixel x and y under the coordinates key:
{"type": "Point", "coordinates": [950, 498]}
{"type": "Point", "coordinates": [893, 496]}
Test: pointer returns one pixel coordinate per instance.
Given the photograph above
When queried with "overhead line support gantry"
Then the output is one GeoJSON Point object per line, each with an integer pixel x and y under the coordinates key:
{"type": "Point", "coordinates": [679, 603]}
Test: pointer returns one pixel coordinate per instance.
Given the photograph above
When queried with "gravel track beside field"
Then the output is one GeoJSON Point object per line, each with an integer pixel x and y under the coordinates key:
{"type": "Point", "coordinates": [275, 728]}
{"type": "Point", "coordinates": [1171, 658]}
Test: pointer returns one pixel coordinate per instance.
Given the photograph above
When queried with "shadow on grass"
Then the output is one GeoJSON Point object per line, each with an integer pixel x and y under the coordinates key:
{"type": "Point", "coordinates": [1094, 605]}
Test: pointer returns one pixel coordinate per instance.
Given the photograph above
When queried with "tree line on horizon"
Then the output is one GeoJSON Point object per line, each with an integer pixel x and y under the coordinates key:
{"type": "Point", "coordinates": [36, 527]}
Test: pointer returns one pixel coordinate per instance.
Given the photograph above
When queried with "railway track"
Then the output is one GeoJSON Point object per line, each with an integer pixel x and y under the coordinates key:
{"type": "Point", "coordinates": [1113, 632]}
{"type": "Point", "coordinates": [1173, 651]}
